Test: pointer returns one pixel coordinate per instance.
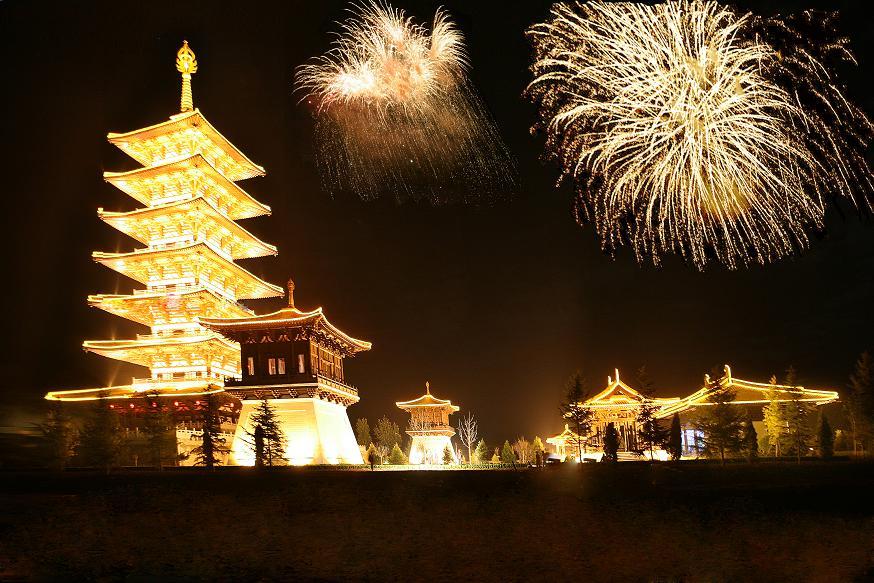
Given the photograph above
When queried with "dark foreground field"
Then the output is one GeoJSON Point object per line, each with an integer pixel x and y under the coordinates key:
{"type": "Point", "coordinates": [694, 522]}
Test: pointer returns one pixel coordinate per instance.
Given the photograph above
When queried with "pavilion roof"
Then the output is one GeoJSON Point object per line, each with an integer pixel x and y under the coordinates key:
{"type": "Point", "coordinates": [427, 400]}
{"type": "Point", "coordinates": [618, 394]}
{"type": "Point", "coordinates": [185, 178]}
{"type": "Point", "coordinates": [162, 389]}
{"type": "Point", "coordinates": [146, 347]}
{"type": "Point", "coordinates": [182, 135]}
{"type": "Point", "coordinates": [142, 223]}
{"type": "Point", "coordinates": [154, 307]}
{"type": "Point", "coordinates": [564, 437]}
{"type": "Point", "coordinates": [140, 263]}
{"type": "Point", "coordinates": [287, 317]}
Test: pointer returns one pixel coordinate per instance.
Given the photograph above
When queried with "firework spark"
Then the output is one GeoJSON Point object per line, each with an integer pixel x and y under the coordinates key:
{"type": "Point", "coordinates": [396, 112]}
{"type": "Point", "coordinates": [691, 128]}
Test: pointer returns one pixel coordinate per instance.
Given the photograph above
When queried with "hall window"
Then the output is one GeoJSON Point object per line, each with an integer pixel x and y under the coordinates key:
{"type": "Point", "coordinates": [271, 366]}
{"type": "Point", "coordinates": [250, 366]}
{"type": "Point", "coordinates": [301, 363]}
{"type": "Point", "coordinates": [280, 364]}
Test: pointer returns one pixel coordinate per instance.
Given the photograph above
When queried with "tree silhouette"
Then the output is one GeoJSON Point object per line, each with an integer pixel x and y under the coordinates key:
{"type": "Point", "coordinates": [273, 439]}
{"type": "Point", "coordinates": [208, 453]}
{"type": "Point", "coordinates": [100, 442]}
{"type": "Point", "coordinates": [675, 439]}
{"type": "Point", "coordinates": [611, 443]}
{"type": "Point", "coordinates": [826, 438]}
{"type": "Point", "coordinates": [750, 440]}
{"type": "Point", "coordinates": [573, 409]}
{"type": "Point", "coordinates": [721, 423]}
{"type": "Point", "coordinates": [362, 432]}
{"type": "Point", "coordinates": [59, 435]}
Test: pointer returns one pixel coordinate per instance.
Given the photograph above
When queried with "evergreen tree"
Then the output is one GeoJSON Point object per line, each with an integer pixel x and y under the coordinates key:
{"type": "Point", "coordinates": [573, 409]}
{"type": "Point", "coordinates": [496, 459]}
{"type": "Point", "coordinates": [611, 443]}
{"type": "Point", "coordinates": [798, 417]}
{"type": "Point", "coordinates": [273, 439]}
{"type": "Point", "coordinates": [721, 423]}
{"type": "Point", "coordinates": [397, 457]}
{"type": "Point", "coordinates": [859, 403]}
{"type": "Point", "coordinates": [258, 435]}
{"type": "Point", "coordinates": [675, 439]}
{"type": "Point", "coordinates": [507, 455]}
{"type": "Point", "coordinates": [59, 435]}
{"type": "Point", "coordinates": [650, 434]}
{"type": "Point", "coordinates": [447, 456]}
{"type": "Point", "coordinates": [481, 453]}
{"type": "Point", "coordinates": [386, 434]}
{"type": "Point", "coordinates": [826, 438]}
{"type": "Point", "coordinates": [100, 441]}
{"type": "Point", "coordinates": [775, 419]}
{"type": "Point", "coordinates": [158, 429]}
{"type": "Point", "coordinates": [362, 432]}
{"type": "Point", "coordinates": [750, 440]}
{"type": "Point", "coordinates": [208, 453]}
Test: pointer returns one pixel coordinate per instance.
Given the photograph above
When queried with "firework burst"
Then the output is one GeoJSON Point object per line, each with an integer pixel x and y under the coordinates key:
{"type": "Point", "coordinates": [691, 128]}
{"type": "Point", "coordinates": [395, 111]}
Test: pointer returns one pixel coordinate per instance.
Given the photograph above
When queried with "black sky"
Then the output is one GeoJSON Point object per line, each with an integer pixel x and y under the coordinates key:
{"type": "Point", "coordinates": [495, 305]}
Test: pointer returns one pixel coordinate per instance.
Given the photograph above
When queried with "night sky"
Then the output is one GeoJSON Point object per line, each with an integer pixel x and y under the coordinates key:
{"type": "Point", "coordinates": [496, 305]}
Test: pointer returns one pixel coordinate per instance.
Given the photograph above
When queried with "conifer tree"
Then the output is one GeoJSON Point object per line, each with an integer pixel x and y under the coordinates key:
{"type": "Point", "coordinates": [798, 416]}
{"type": "Point", "coordinates": [574, 410]}
{"type": "Point", "coordinates": [539, 450]}
{"type": "Point", "coordinates": [447, 456]}
{"type": "Point", "coordinates": [362, 432]}
{"type": "Point", "coordinates": [721, 423]}
{"type": "Point", "coordinates": [611, 443]}
{"type": "Point", "coordinates": [386, 434]}
{"type": "Point", "coordinates": [750, 440]}
{"type": "Point", "coordinates": [397, 457]}
{"type": "Point", "coordinates": [273, 437]}
{"type": "Point", "coordinates": [507, 455]}
{"type": "Point", "coordinates": [59, 435]}
{"type": "Point", "coordinates": [826, 438]}
{"type": "Point", "coordinates": [208, 453]}
{"type": "Point", "coordinates": [158, 428]}
{"type": "Point", "coordinates": [650, 434]}
{"type": "Point", "coordinates": [496, 459]}
{"type": "Point", "coordinates": [775, 419]}
{"type": "Point", "coordinates": [100, 441]}
{"type": "Point", "coordinates": [675, 439]}
{"type": "Point", "coordinates": [481, 453]}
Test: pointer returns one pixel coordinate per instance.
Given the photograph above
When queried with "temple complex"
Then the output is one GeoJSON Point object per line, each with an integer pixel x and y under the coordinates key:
{"type": "Point", "coordinates": [619, 404]}
{"type": "Point", "coordinates": [429, 427]}
{"type": "Point", "coordinates": [295, 360]}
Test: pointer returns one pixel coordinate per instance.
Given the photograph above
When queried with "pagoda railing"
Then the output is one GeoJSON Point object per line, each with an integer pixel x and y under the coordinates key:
{"type": "Point", "coordinates": [289, 379]}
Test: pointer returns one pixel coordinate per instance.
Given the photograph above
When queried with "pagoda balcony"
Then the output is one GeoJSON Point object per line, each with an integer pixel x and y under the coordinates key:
{"type": "Point", "coordinates": [289, 379]}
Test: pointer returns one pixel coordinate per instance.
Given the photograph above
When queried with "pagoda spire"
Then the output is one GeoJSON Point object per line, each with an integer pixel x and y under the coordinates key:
{"type": "Point", "coordinates": [290, 287]}
{"type": "Point", "coordinates": [186, 63]}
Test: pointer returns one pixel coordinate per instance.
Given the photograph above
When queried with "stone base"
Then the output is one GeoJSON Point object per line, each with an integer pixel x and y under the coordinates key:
{"type": "Point", "coordinates": [428, 449]}
{"type": "Point", "coordinates": [316, 432]}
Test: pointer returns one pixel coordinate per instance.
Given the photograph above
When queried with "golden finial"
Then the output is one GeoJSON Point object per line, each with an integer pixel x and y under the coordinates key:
{"type": "Point", "coordinates": [290, 293]}
{"type": "Point", "coordinates": [427, 388]}
{"type": "Point", "coordinates": [186, 63]}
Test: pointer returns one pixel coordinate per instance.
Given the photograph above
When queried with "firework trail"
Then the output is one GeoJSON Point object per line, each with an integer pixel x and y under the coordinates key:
{"type": "Point", "coordinates": [691, 128]}
{"type": "Point", "coordinates": [396, 113]}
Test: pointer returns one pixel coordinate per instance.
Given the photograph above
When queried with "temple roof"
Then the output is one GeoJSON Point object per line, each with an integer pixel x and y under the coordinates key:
{"type": "Point", "coordinates": [142, 349]}
{"type": "Point", "coordinates": [617, 394]}
{"type": "Point", "coordinates": [186, 178]}
{"type": "Point", "coordinates": [563, 437]}
{"type": "Point", "coordinates": [199, 257]}
{"type": "Point", "coordinates": [182, 135]}
{"type": "Point", "coordinates": [162, 389]}
{"type": "Point", "coordinates": [142, 224]}
{"type": "Point", "coordinates": [427, 400]}
{"type": "Point", "coordinates": [153, 307]}
{"type": "Point", "coordinates": [287, 317]}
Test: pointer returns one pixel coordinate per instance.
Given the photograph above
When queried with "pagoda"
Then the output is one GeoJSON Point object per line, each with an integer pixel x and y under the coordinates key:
{"type": "Point", "coordinates": [295, 360]}
{"type": "Point", "coordinates": [187, 265]}
{"type": "Point", "coordinates": [429, 428]}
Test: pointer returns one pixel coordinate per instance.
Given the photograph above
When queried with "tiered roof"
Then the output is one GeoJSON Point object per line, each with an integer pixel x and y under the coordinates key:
{"type": "Point", "coordinates": [427, 400]}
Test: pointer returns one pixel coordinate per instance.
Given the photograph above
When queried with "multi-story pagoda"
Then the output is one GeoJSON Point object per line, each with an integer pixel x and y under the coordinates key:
{"type": "Point", "coordinates": [187, 264]}
{"type": "Point", "coordinates": [294, 359]}
{"type": "Point", "coordinates": [429, 427]}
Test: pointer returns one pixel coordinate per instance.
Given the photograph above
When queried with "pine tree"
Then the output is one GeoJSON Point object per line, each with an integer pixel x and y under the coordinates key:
{"type": "Point", "coordinates": [158, 428]}
{"type": "Point", "coordinates": [539, 450]}
{"type": "Point", "coordinates": [859, 403]}
{"type": "Point", "coordinates": [386, 434]}
{"type": "Point", "coordinates": [507, 455]}
{"type": "Point", "coordinates": [750, 440]}
{"type": "Point", "coordinates": [611, 443]}
{"type": "Point", "coordinates": [397, 457]}
{"type": "Point", "coordinates": [574, 410]}
{"type": "Point", "coordinates": [798, 416]}
{"type": "Point", "coordinates": [362, 432]}
{"type": "Point", "coordinates": [264, 417]}
{"type": "Point", "coordinates": [481, 453]}
{"type": "Point", "coordinates": [826, 438]}
{"type": "Point", "coordinates": [208, 453]}
{"type": "Point", "coordinates": [675, 439]}
{"type": "Point", "coordinates": [447, 456]}
{"type": "Point", "coordinates": [650, 434]}
{"type": "Point", "coordinates": [59, 436]}
{"type": "Point", "coordinates": [100, 441]}
{"type": "Point", "coordinates": [721, 423]}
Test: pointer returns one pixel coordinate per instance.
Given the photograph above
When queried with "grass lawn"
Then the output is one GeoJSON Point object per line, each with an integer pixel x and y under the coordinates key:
{"type": "Point", "coordinates": [629, 522]}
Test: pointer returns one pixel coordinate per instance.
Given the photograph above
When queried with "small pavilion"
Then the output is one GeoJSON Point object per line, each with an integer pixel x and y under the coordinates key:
{"type": "Point", "coordinates": [429, 428]}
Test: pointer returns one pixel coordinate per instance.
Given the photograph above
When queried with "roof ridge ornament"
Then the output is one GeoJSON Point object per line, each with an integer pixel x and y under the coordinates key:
{"type": "Point", "coordinates": [186, 63]}
{"type": "Point", "coordinates": [290, 287]}
{"type": "Point", "coordinates": [427, 388]}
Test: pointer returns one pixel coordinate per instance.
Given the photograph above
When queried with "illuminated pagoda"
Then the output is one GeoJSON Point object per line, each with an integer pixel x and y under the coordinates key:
{"type": "Point", "coordinates": [187, 265]}
{"type": "Point", "coordinates": [294, 359]}
{"type": "Point", "coordinates": [619, 404]}
{"type": "Point", "coordinates": [429, 428]}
